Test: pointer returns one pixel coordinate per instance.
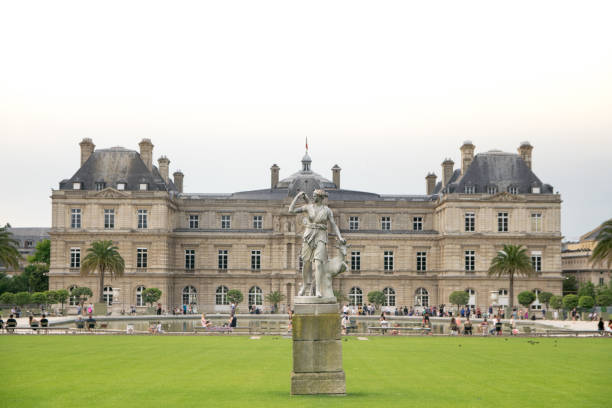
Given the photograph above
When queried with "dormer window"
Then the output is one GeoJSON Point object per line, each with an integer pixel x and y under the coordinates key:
{"type": "Point", "coordinates": [76, 186]}
{"type": "Point", "coordinates": [120, 186]}
{"type": "Point", "coordinates": [143, 186]}
{"type": "Point", "coordinates": [469, 190]}
{"type": "Point", "coordinates": [491, 190]}
{"type": "Point", "coordinates": [513, 190]}
{"type": "Point", "coordinates": [535, 190]}
{"type": "Point", "coordinates": [100, 185]}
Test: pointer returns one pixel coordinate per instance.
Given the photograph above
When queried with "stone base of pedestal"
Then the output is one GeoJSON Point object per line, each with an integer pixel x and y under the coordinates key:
{"type": "Point", "coordinates": [332, 383]}
{"type": "Point", "coordinates": [317, 350]}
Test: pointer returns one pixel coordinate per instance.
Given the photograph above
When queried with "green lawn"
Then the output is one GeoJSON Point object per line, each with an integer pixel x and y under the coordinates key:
{"type": "Point", "coordinates": [117, 371]}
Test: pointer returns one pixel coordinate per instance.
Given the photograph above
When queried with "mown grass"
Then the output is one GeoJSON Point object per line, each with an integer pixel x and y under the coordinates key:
{"type": "Point", "coordinates": [123, 371]}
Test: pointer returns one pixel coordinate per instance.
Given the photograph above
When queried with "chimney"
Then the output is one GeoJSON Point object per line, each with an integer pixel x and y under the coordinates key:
{"type": "Point", "coordinates": [178, 180]}
{"type": "Point", "coordinates": [164, 167]}
{"type": "Point", "coordinates": [430, 180]}
{"type": "Point", "coordinates": [146, 153]}
{"type": "Point", "coordinates": [87, 148]}
{"type": "Point", "coordinates": [447, 171]}
{"type": "Point", "coordinates": [467, 155]}
{"type": "Point", "coordinates": [336, 175]}
{"type": "Point", "coordinates": [274, 171]}
{"type": "Point", "coordinates": [525, 151]}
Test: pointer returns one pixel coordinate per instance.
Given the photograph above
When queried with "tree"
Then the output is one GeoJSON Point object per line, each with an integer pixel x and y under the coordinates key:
{"type": "Point", "coordinates": [544, 297]}
{"type": "Point", "coordinates": [602, 254]}
{"type": "Point", "coordinates": [22, 298]}
{"type": "Point", "coordinates": [9, 252]}
{"type": "Point", "coordinates": [151, 295]}
{"type": "Point", "coordinates": [81, 293]}
{"type": "Point", "coordinates": [38, 298]}
{"type": "Point", "coordinates": [526, 298]}
{"type": "Point", "coordinates": [459, 298]}
{"type": "Point", "coordinates": [510, 261]}
{"type": "Point", "coordinates": [587, 289]}
{"type": "Point", "coordinates": [570, 301]}
{"type": "Point", "coordinates": [7, 298]}
{"type": "Point", "coordinates": [235, 296]}
{"type": "Point", "coordinates": [36, 276]}
{"type": "Point", "coordinates": [275, 298]}
{"type": "Point", "coordinates": [340, 297]}
{"type": "Point", "coordinates": [42, 254]}
{"type": "Point", "coordinates": [586, 302]}
{"type": "Point", "coordinates": [604, 298]}
{"type": "Point", "coordinates": [51, 297]}
{"type": "Point", "coordinates": [556, 302]}
{"type": "Point", "coordinates": [570, 285]}
{"type": "Point", "coordinates": [104, 257]}
{"type": "Point", "coordinates": [62, 296]}
{"type": "Point", "coordinates": [376, 297]}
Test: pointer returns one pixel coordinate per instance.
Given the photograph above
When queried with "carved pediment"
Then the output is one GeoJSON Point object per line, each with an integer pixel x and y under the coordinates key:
{"type": "Point", "coordinates": [110, 192]}
{"type": "Point", "coordinates": [504, 197]}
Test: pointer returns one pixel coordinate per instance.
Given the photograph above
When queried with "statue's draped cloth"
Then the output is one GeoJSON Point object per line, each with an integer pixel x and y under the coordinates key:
{"type": "Point", "coordinates": [315, 235]}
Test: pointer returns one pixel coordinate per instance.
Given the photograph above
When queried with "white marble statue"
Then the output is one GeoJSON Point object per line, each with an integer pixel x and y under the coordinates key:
{"type": "Point", "coordinates": [314, 247]}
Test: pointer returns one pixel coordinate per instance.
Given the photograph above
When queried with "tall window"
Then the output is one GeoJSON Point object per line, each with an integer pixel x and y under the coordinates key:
{"type": "Point", "coordinates": [190, 295]}
{"type": "Point", "coordinates": [421, 261]}
{"type": "Point", "coordinates": [75, 257]}
{"type": "Point", "coordinates": [353, 223]}
{"type": "Point", "coordinates": [472, 298]}
{"type": "Point", "coordinates": [75, 218]}
{"type": "Point", "coordinates": [470, 261]}
{"type": "Point", "coordinates": [388, 260]}
{"type": "Point", "coordinates": [513, 190]}
{"type": "Point", "coordinates": [226, 222]}
{"type": "Point", "coordinates": [142, 219]}
{"type": "Point", "coordinates": [189, 258]}
{"type": "Point", "coordinates": [107, 295]}
{"type": "Point", "coordinates": [536, 260]}
{"type": "Point", "coordinates": [389, 296]}
{"type": "Point", "coordinates": [141, 257]}
{"type": "Point", "coordinates": [421, 297]}
{"type": "Point", "coordinates": [417, 223]}
{"type": "Point", "coordinates": [194, 221]}
{"type": "Point", "coordinates": [255, 296]}
{"type": "Point", "coordinates": [355, 260]}
{"type": "Point", "coordinates": [139, 297]}
{"type": "Point", "coordinates": [470, 222]}
{"type": "Point", "coordinates": [356, 296]}
{"type": "Point", "coordinates": [385, 223]}
{"type": "Point", "coordinates": [502, 222]}
{"type": "Point", "coordinates": [255, 259]}
{"type": "Point", "coordinates": [502, 299]}
{"type": "Point", "coordinates": [72, 300]}
{"type": "Point", "coordinates": [109, 218]}
{"type": "Point", "coordinates": [221, 296]}
{"type": "Point", "coordinates": [222, 257]}
{"type": "Point", "coordinates": [536, 222]}
{"type": "Point", "coordinates": [258, 221]}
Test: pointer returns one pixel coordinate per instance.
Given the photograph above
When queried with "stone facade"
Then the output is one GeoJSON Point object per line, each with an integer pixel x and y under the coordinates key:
{"type": "Point", "coordinates": [416, 248]}
{"type": "Point", "coordinates": [576, 260]}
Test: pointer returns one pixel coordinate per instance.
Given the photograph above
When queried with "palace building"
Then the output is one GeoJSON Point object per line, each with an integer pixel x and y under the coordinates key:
{"type": "Point", "coordinates": [416, 249]}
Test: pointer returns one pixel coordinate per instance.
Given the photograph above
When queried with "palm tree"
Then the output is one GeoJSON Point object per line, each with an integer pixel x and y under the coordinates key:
{"type": "Point", "coordinates": [104, 257]}
{"type": "Point", "coordinates": [602, 254]}
{"type": "Point", "coordinates": [9, 254]}
{"type": "Point", "coordinates": [511, 260]}
{"type": "Point", "coordinates": [275, 298]}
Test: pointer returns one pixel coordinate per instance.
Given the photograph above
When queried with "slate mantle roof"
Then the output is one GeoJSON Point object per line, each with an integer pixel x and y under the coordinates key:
{"type": "Point", "coordinates": [117, 165]}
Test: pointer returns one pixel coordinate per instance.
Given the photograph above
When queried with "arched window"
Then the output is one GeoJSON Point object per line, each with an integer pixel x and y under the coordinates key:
{"type": "Point", "coordinates": [107, 295]}
{"type": "Point", "coordinates": [139, 298]}
{"type": "Point", "coordinates": [472, 300]}
{"type": "Point", "coordinates": [255, 296]}
{"type": "Point", "coordinates": [356, 296]}
{"type": "Point", "coordinates": [221, 296]}
{"type": "Point", "coordinates": [389, 296]}
{"type": "Point", "coordinates": [190, 295]}
{"type": "Point", "coordinates": [421, 297]}
{"type": "Point", "coordinates": [536, 305]}
{"type": "Point", "coordinates": [73, 300]}
{"type": "Point", "coordinates": [502, 298]}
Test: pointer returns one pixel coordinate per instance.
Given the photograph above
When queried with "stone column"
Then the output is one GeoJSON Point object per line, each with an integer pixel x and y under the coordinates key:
{"type": "Point", "coordinates": [317, 349]}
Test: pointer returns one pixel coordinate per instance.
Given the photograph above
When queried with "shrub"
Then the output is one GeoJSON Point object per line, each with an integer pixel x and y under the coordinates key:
{"type": "Point", "coordinates": [459, 298]}
{"type": "Point", "coordinates": [376, 297]}
{"type": "Point", "coordinates": [587, 289]}
{"type": "Point", "coordinates": [586, 302]}
{"type": "Point", "coordinates": [570, 301]}
{"type": "Point", "coordinates": [544, 297]}
{"type": "Point", "coordinates": [22, 298]}
{"type": "Point", "coordinates": [556, 302]}
{"type": "Point", "coordinates": [151, 295]}
{"type": "Point", "coordinates": [526, 298]}
{"type": "Point", "coordinates": [38, 298]}
{"type": "Point", "coordinates": [7, 298]}
{"type": "Point", "coordinates": [235, 296]}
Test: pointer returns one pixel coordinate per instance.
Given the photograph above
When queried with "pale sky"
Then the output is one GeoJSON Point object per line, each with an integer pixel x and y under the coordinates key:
{"type": "Point", "coordinates": [386, 90]}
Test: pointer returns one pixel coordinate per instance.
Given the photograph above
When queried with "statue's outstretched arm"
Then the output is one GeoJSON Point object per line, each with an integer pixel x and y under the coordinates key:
{"type": "Point", "coordinates": [334, 226]}
{"type": "Point", "coordinates": [292, 208]}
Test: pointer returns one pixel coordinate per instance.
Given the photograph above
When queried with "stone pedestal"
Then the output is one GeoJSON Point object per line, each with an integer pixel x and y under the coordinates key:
{"type": "Point", "coordinates": [317, 349]}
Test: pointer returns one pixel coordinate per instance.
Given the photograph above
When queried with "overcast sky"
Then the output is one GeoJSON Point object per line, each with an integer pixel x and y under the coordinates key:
{"type": "Point", "coordinates": [386, 90]}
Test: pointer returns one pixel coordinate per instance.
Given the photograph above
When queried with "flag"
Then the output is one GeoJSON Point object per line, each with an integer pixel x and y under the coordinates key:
{"type": "Point", "coordinates": [306, 143]}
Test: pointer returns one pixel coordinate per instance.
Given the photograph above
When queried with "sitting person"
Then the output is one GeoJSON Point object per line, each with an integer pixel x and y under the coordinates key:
{"type": "Point", "coordinates": [384, 323]}
{"type": "Point", "coordinates": [467, 327]}
{"type": "Point", "coordinates": [484, 327]}
{"type": "Point", "coordinates": [44, 322]}
{"type": "Point", "coordinates": [232, 321]}
{"type": "Point", "coordinates": [453, 327]}
{"type": "Point", "coordinates": [11, 323]}
{"type": "Point", "coordinates": [205, 323]}
{"type": "Point", "coordinates": [91, 322]}
{"type": "Point", "coordinates": [1, 324]}
{"type": "Point", "coordinates": [80, 323]}
{"type": "Point", "coordinates": [33, 323]}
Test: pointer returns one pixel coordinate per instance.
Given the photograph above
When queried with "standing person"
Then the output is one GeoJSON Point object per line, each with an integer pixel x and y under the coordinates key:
{"type": "Point", "coordinates": [453, 326]}
{"type": "Point", "coordinates": [467, 327]}
{"type": "Point", "coordinates": [184, 309]}
{"type": "Point", "coordinates": [233, 321]}
{"type": "Point", "coordinates": [344, 323]}
{"type": "Point", "coordinates": [159, 309]}
{"type": "Point", "coordinates": [498, 326]}
{"type": "Point", "coordinates": [600, 326]}
{"type": "Point", "coordinates": [384, 323]}
{"type": "Point", "coordinates": [1, 323]}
